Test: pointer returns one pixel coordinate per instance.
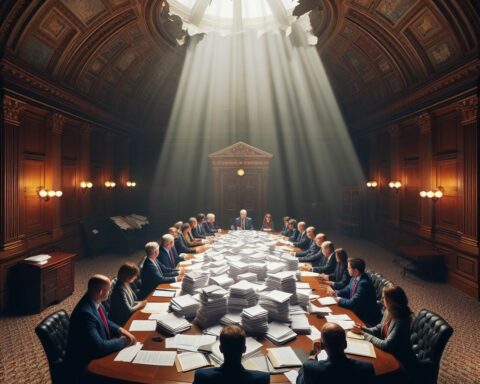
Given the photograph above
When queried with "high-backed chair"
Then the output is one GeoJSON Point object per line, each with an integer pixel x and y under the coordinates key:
{"type": "Point", "coordinates": [379, 282]}
{"type": "Point", "coordinates": [429, 336]}
{"type": "Point", "coordinates": [107, 303]}
{"type": "Point", "coordinates": [53, 333]}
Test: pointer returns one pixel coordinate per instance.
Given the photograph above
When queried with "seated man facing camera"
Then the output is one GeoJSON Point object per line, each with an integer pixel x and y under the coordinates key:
{"type": "Point", "coordinates": [232, 345]}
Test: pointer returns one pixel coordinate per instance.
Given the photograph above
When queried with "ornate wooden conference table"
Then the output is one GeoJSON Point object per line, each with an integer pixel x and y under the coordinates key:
{"type": "Point", "coordinates": [386, 366]}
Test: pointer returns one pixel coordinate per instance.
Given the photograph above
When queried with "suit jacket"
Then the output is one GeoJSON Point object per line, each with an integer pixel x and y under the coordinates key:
{"type": "Point", "coordinates": [340, 277]}
{"type": "Point", "coordinates": [303, 242]}
{"type": "Point", "coordinates": [248, 223]}
{"type": "Point", "coordinates": [286, 232]}
{"type": "Point", "coordinates": [165, 259]}
{"type": "Point", "coordinates": [87, 337]}
{"type": "Point", "coordinates": [310, 254]}
{"type": "Point", "coordinates": [198, 232]}
{"type": "Point", "coordinates": [123, 303]}
{"type": "Point", "coordinates": [153, 274]}
{"type": "Point", "coordinates": [364, 300]}
{"type": "Point", "coordinates": [181, 245]}
{"type": "Point", "coordinates": [293, 235]}
{"type": "Point", "coordinates": [396, 342]}
{"type": "Point", "coordinates": [340, 370]}
{"type": "Point", "coordinates": [231, 375]}
{"type": "Point", "coordinates": [328, 266]}
{"type": "Point", "coordinates": [209, 228]}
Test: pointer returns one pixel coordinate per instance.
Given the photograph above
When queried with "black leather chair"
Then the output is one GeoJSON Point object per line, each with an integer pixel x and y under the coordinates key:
{"type": "Point", "coordinates": [53, 333]}
{"type": "Point", "coordinates": [379, 282]}
{"type": "Point", "coordinates": [430, 334]}
{"type": "Point", "coordinates": [107, 303]}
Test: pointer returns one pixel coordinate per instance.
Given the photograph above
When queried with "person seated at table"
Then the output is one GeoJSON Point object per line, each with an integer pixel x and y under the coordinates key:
{"type": "Point", "coordinates": [200, 230]}
{"type": "Point", "coordinates": [267, 224]}
{"type": "Point", "coordinates": [168, 255]}
{"type": "Point", "coordinates": [359, 295]}
{"type": "Point", "coordinates": [91, 335]}
{"type": "Point", "coordinates": [209, 225]}
{"type": "Point", "coordinates": [303, 242]}
{"type": "Point", "coordinates": [285, 230]}
{"type": "Point", "coordinates": [392, 334]}
{"type": "Point", "coordinates": [243, 222]}
{"type": "Point", "coordinates": [339, 278]}
{"type": "Point", "coordinates": [178, 225]}
{"type": "Point", "coordinates": [195, 229]}
{"type": "Point", "coordinates": [292, 226]}
{"type": "Point", "coordinates": [153, 272]}
{"type": "Point", "coordinates": [337, 368]}
{"type": "Point", "coordinates": [123, 301]}
{"type": "Point", "coordinates": [181, 244]}
{"type": "Point", "coordinates": [232, 345]}
{"type": "Point", "coordinates": [190, 240]}
{"type": "Point", "coordinates": [313, 254]}
{"type": "Point", "coordinates": [328, 262]}
{"type": "Point", "coordinates": [312, 248]}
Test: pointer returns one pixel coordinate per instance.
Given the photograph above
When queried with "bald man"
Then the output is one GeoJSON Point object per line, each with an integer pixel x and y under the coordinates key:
{"type": "Point", "coordinates": [91, 335]}
{"type": "Point", "coordinates": [337, 368]}
{"type": "Point", "coordinates": [243, 221]}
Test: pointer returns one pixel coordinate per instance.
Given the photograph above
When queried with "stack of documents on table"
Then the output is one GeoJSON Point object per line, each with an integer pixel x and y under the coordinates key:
{"type": "Point", "coordinates": [360, 348]}
{"type": "Point", "coordinates": [303, 297]}
{"type": "Point", "coordinates": [260, 269]}
{"type": "Point", "coordinates": [300, 324]}
{"type": "Point", "coordinates": [184, 305]}
{"type": "Point", "coordinates": [172, 323]}
{"type": "Point", "coordinates": [194, 280]}
{"type": "Point", "coordinates": [249, 276]}
{"type": "Point", "coordinates": [38, 259]}
{"type": "Point", "coordinates": [314, 309]}
{"type": "Point", "coordinates": [257, 258]}
{"type": "Point", "coordinates": [214, 330]}
{"type": "Point", "coordinates": [231, 318]}
{"type": "Point", "coordinates": [296, 310]}
{"type": "Point", "coordinates": [283, 281]}
{"type": "Point", "coordinates": [276, 303]}
{"type": "Point", "coordinates": [275, 267]}
{"type": "Point", "coordinates": [160, 358]}
{"type": "Point", "coordinates": [188, 361]}
{"type": "Point", "coordinates": [156, 308]}
{"type": "Point", "coordinates": [242, 295]}
{"type": "Point", "coordinates": [343, 320]}
{"type": "Point", "coordinates": [189, 342]}
{"type": "Point", "coordinates": [223, 281]}
{"type": "Point", "coordinates": [329, 300]}
{"type": "Point", "coordinates": [213, 305]}
{"type": "Point", "coordinates": [279, 333]}
{"type": "Point", "coordinates": [291, 262]}
{"type": "Point", "coordinates": [255, 320]}
{"type": "Point", "coordinates": [283, 357]}
{"type": "Point", "coordinates": [168, 293]}
{"type": "Point", "coordinates": [220, 270]}
{"type": "Point", "coordinates": [252, 347]}
{"type": "Point", "coordinates": [143, 325]}
{"type": "Point", "coordinates": [238, 268]}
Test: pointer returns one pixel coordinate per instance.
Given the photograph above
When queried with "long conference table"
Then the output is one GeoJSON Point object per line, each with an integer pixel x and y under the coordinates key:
{"type": "Point", "coordinates": [386, 366]}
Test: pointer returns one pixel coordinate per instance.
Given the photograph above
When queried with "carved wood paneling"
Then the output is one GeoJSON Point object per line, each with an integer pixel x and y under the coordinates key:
{"type": "Point", "coordinates": [33, 218]}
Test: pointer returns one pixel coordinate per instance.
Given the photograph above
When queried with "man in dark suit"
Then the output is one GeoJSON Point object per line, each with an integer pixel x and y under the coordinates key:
{"type": "Point", "coordinates": [303, 242]}
{"type": "Point", "coordinates": [314, 254]}
{"type": "Point", "coordinates": [91, 335]}
{"type": "Point", "coordinates": [312, 248]}
{"type": "Point", "coordinates": [152, 272]}
{"type": "Point", "coordinates": [285, 230]}
{"type": "Point", "coordinates": [328, 262]}
{"type": "Point", "coordinates": [168, 255]}
{"type": "Point", "coordinates": [232, 345]}
{"type": "Point", "coordinates": [293, 231]}
{"type": "Point", "coordinates": [243, 222]}
{"type": "Point", "coordinates": [210, 226]}
{"type": "Point", "coordinates": [338, 368]}
{"type": "Point", "coordinates": [179, 242]}
{"type": "Point", "coordinates": [359, 295]}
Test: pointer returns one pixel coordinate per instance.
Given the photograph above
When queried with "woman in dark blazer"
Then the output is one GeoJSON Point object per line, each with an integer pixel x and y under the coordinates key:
{"type": "Point", "coordinates": [393, 333]}
{"type": "Point", "coordinates": [339, 278]}
{"type": "Point", "coordinates": [124, 300]}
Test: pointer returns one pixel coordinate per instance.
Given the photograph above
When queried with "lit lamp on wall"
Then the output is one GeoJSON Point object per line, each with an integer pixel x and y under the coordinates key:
{"type": "Point", "coordinates": [85, 185]}
{"type": "Point", "coordinates": [240, 172]}
{"type": "Point", "coordinates": [395, 185]}
{"type": "Point", "coordinates": [433, 195]}
{"type": "Point", "coordinates": [46, 194]}
{"type": "Point", "coordinates": [131, 184]}
{"type": "Point", "coordinates": [372, 184]}
{"type": "Point", "coordinates": [110, 184]}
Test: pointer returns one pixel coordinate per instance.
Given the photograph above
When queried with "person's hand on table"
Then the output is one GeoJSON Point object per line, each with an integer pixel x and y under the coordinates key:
{"type": "Point", "coordinates": [143, 303]}
{"type": "Point", "coordinates": [128, 336]}
{"type": "Point", "coordinates": [323, 276]}
{"type": "Point", "coordinates": [306, 267]}
{"type": "Point", "coordinates": [187, 256]}
{"type": "Point", "coordinates": [357, 328]}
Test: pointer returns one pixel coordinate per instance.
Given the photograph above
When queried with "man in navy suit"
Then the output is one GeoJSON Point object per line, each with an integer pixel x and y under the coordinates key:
{"type": "Point", "coordinates": [209, 226]}
{"type": "Point", "coordinates": [232, 345]}
{"type": "Point", "coordinates": [168, 255]}
{"type": "Point", "coordinates": [314, 254]}
{"type": "Point", "coordinates": [243, 222]}
{"type": "Point", "coordinates": [293, 234]}
{"type": "Point", "coordinates": [154, 273]}
{"type": "Point", "coordinates": [312, 248]}
{"type": "Point", "coordinates": [359, 295]}
{"type": "Point", "coordinates": [303, 242]}
{"type": "Point", "coordinates": [328, 262]}
{"type": "Point", "coordinates": [91, 335]}
{"type": "Point", "coordinates": [203, 228]}
{"type": "Point", "coordinates": [337, 368]}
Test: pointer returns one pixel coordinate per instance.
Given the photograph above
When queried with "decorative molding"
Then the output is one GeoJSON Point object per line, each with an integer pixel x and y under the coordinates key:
{"type": "Point", "coordinates": [240, 150]}
{"type": "Point", "coordinates": [57, 120]}
{"type": "Point", "coordinates": [12, 110]}
{"type": "Point", "coordinates": [424, 122]}
{"type": "Point", "coordinates": [468, 109]}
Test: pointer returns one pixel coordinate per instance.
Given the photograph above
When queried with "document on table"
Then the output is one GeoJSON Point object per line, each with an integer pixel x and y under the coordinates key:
{"type": "Point", "coordinates": [177, 284]}
{"type": "Point", "coordinates": [315, 334]}
{"type": "Point", "coordinates": [360, 348]}
{"type": "Point", "coordinates": [291, 376]}
{"type": "Point", "coordinates": [283, 357]}
{"type": "Point", "coordinates": [343, 317]}
{"type": "Point", "coordinates": [143, 325]}
{"type": "Point", "coordinates": [156, 308]}
{"type": "Point", "coordinates": [309, 274]}
{"type": "Point", "coordinates": [327, 300]}
{"type": "Point", "coordinates": [352, 335]}
{"type": "Point", "coordinates": [314, 309]}
{"type": "Point", "coordinates": [188, 361]}
{"type": "Point", "coordinates": [129, 353]}
{"type": "Point", "coordinates": [160, 358]}
{"type": "Point", "coordinates": [164, 293]}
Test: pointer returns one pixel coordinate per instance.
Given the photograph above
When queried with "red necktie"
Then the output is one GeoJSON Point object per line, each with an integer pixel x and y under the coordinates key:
{"type": "Point", "coordinates": [104, 320]}
{"type": "Point", "coordinates": [354, 287]}
{"type": "Point", "coordinates": [172, 257]}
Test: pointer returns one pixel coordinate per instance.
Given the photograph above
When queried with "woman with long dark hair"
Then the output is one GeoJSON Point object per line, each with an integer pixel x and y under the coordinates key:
{"type": "Point", "coordinates": [339, 278]}
{"type": "Point", "coordinates": [267, 224]}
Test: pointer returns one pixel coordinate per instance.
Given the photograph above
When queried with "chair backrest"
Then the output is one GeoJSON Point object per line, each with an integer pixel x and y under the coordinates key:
{"type": "Point", "coordinates": [108, 303]}
{"type": "Point", "coordinates": [53, 334]}
{"type": "Point", "coordinates": [429, 336]}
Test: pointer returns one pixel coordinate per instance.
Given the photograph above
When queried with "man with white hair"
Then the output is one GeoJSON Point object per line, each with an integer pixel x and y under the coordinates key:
{"type": "Point", "coordinates": [168, 255]}
{"type": "Point", "coordinates": [243, 222]}
{"type": "Point", "coordinates": [209, 225]}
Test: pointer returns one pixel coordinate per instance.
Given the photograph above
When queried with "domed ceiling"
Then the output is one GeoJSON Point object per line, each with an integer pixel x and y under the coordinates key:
{"type": "Point", "coordinates": [123, 56]}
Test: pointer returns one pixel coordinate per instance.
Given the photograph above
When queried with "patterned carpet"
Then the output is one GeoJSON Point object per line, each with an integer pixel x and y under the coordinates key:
{"type": "Point", "coordinates": [22, 359]}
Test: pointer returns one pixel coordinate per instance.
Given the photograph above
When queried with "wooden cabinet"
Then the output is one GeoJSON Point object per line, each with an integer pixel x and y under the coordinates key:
{"type": "Point", "coordinates": [42, 285]}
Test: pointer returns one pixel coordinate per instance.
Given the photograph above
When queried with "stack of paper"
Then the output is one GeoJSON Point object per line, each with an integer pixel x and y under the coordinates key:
{"type": "Point", "coordinates": [242, 295]}
{"type": "Point", "coordinates": [189, 342]}
{"type": "Point", "coordinates": [249, 276]}
{"type": "Point", "coordinates": [194, 280]}
{"type": "Point", "coordinates": [155, 308]}
{"type": "Point", "coordinates": [303, 297]}
{"type": "Point", "coordinates": [343, 320]}
{"type": "Point", "coordinates": [314, 309]}
{"type": "Point", "coordinates": [283, 281]}
{"type": "Point", "coordinates": [213, 305]}
{"type": "Point", "coordinates": [238, 268]}
{"type": "Point", "coordinates": [168, 293]}
{"type": "Point", "coordinates": [291, 262]}
{"type": "Point", "coordinates": [214, 330]}
{"type": "Point", "coordinates": [275, 267]}
{"type": "Point", "coordinates": [38, 259]}
{"type": "Point", "coordinates": [232, 318]}
{"type": "Point", "coordinates": [255, 320]}
{"type": "Point", "coordinates": [257, 258]}
{"type": "Point", "coordinates": [217, 270]}
{"type": "Point", "coordinates": [260, 269]}
{"type": "Point", "coordinates": [283, 357]}
{"type": "Point", "coordinates": [329, 300]}
{"type": "Point", "coordinates": [185, 305]}
{"type": "Point", "coordinates": [172, 323]}
{"type": "Point", "coordinates": [188, 361]}
{"type": "Point", "coordinates": [143, 325]}
{"type": "Point", "coordinates": [128, 354]}
{"type": "Point", "coordinates": [360, 348]}
{"type": "Point", "coordinates": [276, 303]}
{"type": "Point", "coordinates": [279, 333]}
{"type": "Point", "coordinates": [300, 324]}
{"type": "Point", "coordinates": [223, 281]}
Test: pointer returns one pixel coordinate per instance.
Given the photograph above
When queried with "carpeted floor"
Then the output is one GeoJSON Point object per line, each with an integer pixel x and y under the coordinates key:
{"type": "Point", "coordinates": [22, 359]}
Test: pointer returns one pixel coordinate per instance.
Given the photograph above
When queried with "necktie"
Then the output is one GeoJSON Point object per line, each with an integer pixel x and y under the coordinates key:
{"type": "Point", "coordinates": [104, 320]}
{"type": "Point", "coordinates": [172, 257]}
{"type": "Point", "coordinates": [354, 287]}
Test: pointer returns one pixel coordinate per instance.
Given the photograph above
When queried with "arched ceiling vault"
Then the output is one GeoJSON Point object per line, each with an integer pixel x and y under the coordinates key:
{"type": "Point", "coordinates": [122, 54]}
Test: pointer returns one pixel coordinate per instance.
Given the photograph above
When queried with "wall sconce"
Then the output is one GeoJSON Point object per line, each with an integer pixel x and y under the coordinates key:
{"type": "Point", "coordinates": [372, 184]}
{"type": "Point", "coordinates": [395, 185]}
{"type": "Point", "coordinates": [240, 172]}
{"type": "Point", "coordinates": [46, 194]}
{"type": "Point", "coordinates": [110, 184]}
{"type": "Point", "coordinates": [85, 185]}
{"type": "Point", "coordinates": [131, 184]}
{"type": "Point", "coordinates": [433, 195]}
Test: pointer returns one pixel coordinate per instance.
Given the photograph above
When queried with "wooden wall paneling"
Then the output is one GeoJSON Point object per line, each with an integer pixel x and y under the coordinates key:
{"type": "Point", "coordinates": [85, 174]}
{"type": "Point", "coordinates": [54, 165]}
{"type": "Point", "coordinates": [394, 131]}
{"type": "Point", "coordinates": [448, 208]}
{"type": "Point", "coordinates": [98, 174]}
{"type": "Point", "coordinates": [109, 174]}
